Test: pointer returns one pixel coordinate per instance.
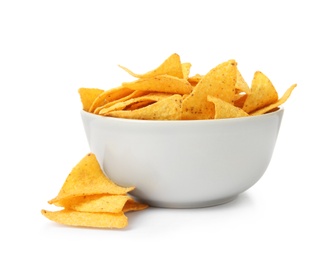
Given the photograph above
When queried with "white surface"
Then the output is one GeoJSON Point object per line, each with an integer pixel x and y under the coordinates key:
{"type": "Point", "coordinates": [50, 49]}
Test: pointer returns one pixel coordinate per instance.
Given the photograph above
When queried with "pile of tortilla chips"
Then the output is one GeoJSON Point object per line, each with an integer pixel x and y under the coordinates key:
{"type": "Point", "coordinates": [170, 93]}
{"type": "Point", "coordinates": [89, 199]}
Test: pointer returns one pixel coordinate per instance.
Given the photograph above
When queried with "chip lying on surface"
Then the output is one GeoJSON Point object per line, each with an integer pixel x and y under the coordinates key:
{"type": "Point", "coordinates": [221, 93]}
{"type": "Point", "coordinates": [90, 199]}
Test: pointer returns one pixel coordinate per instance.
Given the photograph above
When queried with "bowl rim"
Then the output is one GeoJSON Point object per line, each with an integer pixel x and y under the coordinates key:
{"type": "Point", "coordinates": [279, 110]}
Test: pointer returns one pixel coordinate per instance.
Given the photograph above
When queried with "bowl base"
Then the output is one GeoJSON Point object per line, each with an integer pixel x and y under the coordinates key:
{"type": "Point", "coordinates": [187, 205]}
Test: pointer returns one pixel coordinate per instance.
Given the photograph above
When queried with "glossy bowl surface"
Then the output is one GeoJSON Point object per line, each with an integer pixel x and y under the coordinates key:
{"type": "Point", "coordinates": [184, 164]}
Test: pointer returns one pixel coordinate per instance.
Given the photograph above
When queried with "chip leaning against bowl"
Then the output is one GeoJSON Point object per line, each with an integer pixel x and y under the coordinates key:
{"type": "Point", "coordinates": [184, 141]}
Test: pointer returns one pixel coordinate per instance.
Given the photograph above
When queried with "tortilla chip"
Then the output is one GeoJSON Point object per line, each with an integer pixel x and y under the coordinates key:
{"type": "Point", "coordinates": [194, 80]}
{"type": "Point", "coordinates": [186, 69]}
{"type": "Point", "coordinates": [240, 99]}
{"type": "Point", "coordinates": [87, 219]}
{"type": "Point", "coordinates": [166, 109]}
{"type": "Point", "coordinates": [150, 98]}
{"type": "Point", "coordinates": [95, 203]}
{"type": "Point", "coordinates": [87, 178]}
{"type": "Point", "coordinates": [133, 205]}
{"type": "Point", "coordinates": [161, 83]}
{"type": "Point", "coordinates": [134, 94]}
{"type": "Point", "coordinates": [283, 99]}
{"type": "Point", "coordinates": [241, 84]}
{"type": "Point", "coordinates": [224, 109]}
{"type": "Point", "coordinates": [262, 93]}
{"type": "Point", "coordinates": [171, 66]}
{"type": "Point", "coordinates": [109, 96]}
{"type": "Point", "coordinates": [219, 82]}
{"type": "Point", "coordinates": [87, 96]}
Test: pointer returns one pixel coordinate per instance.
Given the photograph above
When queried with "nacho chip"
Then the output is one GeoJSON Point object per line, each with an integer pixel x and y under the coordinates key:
{"type": "Point", "coordinates": [263, 93]}
{"type": "Point", "coordinates": [241, 84]}
{"type": "Point", "coordinates": [150, 98]}
{"type": "Point", "coordinates": [240, 99]}
{"type": "Point", "coordinates": [219, 82]}
{"type": "Point", "coordinates": [186, 67]}
{"type": "Point", "coordinates": [224, 109]}
{"type": "Point", "coordinates": [101, 203]}
{"type": "Point", "coordinates": [87, 219]}
{"type": "Point", "coordinates": [138, 105]}
{"type": "Point", "coordinates": [87, 178]}
{"type": "Point", "coordinates": [194, 79]}
{"type": "Point", "coordinates": [171, 66]}
{"type": "Point", "coordinates": [109, 96]}
{"type": "Point", "coordinates": [95, 203]}
{"type": "Point", "coordinates": [133, 205]}
{"type": "Point", "coordinates": [283, 99]}
{"type": "Point", "coordinates": [166, 109]}
{"type": "Point", "coordinates": [161, 83]}
{"type": "Point", "coordinates": [134, 94]}
{"type": "Point", "coordinates": [87, 96]}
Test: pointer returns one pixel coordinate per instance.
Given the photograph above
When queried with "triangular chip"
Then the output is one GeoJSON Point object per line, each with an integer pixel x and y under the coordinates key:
{"type": "Point", "coordinates": [194, 80]}
{"type": "Point", "coordinates": [88, 95]}
{"type": "Point", "coordinates": [168, 108]}
{"type": "Point", "coordinates": [262, 93]}
{"type": "Point", "coordinates": [186, 69]}
{"type": "Point", "coordinates": [109, 96]}
{"type": "Point", "coordinates": [134, 94]}
{"type": "Point", "coordinates": [87, 178]}
{"type": "Point", "coordinates": [95, 203]}
{"type": "Point", "coordinates": [101, 203]}
{"type": "Point", "coordinates": [133, 205]}
{"type": "Point", "coordinates": [218, 82]}
{"type": "Point", "coordinates": [224, 109]}
{"type": "Point", "coordinates": [240, 99]}
{"type": "Point", "coordinates": [152, 97]}
{"type": "Point", "coordinates": [171, 66]}
{"type": "Point", "coordinates": [161, 83]}
{"type": "Point", "coordinates": [87, 219]}
{"type": "Point", "coordinates": [241, 84]}
{"type": "Point", "coordinates": [140, 104]}
{"type": "Point", "coordinates": [283, 99]}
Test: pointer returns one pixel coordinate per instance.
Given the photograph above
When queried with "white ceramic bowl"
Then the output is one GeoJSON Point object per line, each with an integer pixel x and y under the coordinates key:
{"type": "Point", "coordinates": [184, 164]}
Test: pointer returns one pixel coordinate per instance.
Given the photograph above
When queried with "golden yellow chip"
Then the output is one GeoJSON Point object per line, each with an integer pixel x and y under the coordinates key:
{"type": "Point", "coordinates": [171, 66]}
{"type": "Point", "coordinates": [134, 94]}
{"type": "Point", "coordinates": [161, 83]}
{"type": "Point", "coordinates": [239, 99]}
{"type": "Point", "coordinates": [101, 203]}
{"type": "Point", "coordinates": [88, 95]}
{"type": "Point", "coordinates": [218, 82]}
{"type": "Point", "coordinates": [241, 84]}
{"type": "Point", "coordinates": [87, 178]}
{"type": "Point", "coordinates": [89, 199]}
{"type": "Point", "coordinates": [109, 96]}
{"type": "Point", "coordinates": [95, 203]}
{"type": "Point", "coordinates": [87, 219]}
{"type": "Point", "coordinates": [151, 98]}
{"type": "Point", "coordinates": [194, 79]}
{"type": "Point", "coordinates": [133, 205]}
{"type": "Point", "coordinates": [224, 109]}
{"type": "Point", "coordinates": [186, 69]}
{"type": "Point", "coordinates": [283, 99]}
{"type": "Point", "coordinates": [140, 104]}
{"type": "Point", "coordinates": [262, 93]}
{"type": "Point", "coordinates": [166, 109]}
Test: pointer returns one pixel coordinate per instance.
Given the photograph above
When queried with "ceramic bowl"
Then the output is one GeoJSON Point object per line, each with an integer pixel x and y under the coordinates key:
{"type": "Point", "coordinates": [184, 164]}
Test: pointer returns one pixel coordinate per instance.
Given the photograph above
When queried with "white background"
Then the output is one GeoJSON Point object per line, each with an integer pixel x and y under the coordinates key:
{"type": "Point", "coordinates": [48, 49]}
